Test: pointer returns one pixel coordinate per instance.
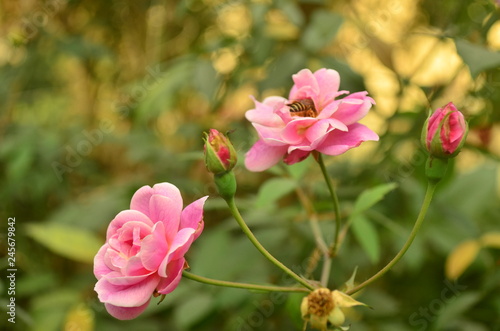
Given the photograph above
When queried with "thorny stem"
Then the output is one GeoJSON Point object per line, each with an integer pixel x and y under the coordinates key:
{"type": "Point", "coordinates": [237, 216]}
{"type": "Point", "coordinates": [423, 211]}
{"type": "Point", "coordinates": [216, 282]}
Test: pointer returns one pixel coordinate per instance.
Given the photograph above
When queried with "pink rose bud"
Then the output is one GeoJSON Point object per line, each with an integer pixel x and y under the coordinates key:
{"type": "Point", "coordinates": [220, 155]}
{"type": "Point", "coordinates": [444, 132]}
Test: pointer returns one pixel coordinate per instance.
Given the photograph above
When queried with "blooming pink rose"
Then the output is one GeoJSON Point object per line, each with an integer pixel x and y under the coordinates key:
{"type": "Point", "coordinates": [444, 132]}
{"type": "Point", "coordinates": [312, 119]}
{"type": "Point", "coordinates": [144, 249]}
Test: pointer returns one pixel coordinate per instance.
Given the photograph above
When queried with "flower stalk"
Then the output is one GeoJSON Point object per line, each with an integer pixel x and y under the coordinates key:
{"type": "Point", "coordinates": [335, 202]}
{"type": "Point", "coordinates": [418, 223]}
{"type": "Point", "coordinates": [254, 287]}
{"type": "Point", "coordinates": [241, 222]}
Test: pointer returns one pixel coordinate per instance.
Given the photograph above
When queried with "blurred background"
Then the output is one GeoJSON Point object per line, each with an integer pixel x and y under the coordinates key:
{"type": "Point", "coordinates": [99, 98]}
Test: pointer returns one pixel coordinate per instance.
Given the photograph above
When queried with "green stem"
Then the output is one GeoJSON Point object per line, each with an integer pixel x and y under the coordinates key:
{"type": "Point", "coordinates": [320, 242]}
{"type": "Point", "coordinates": [335, 202]}
{"type": "Point", "coordinates": [258, 245]}
{"type": "Point", "coordinates": [423, 211]}
{"type": "Point", "coordinates": [216, 282]}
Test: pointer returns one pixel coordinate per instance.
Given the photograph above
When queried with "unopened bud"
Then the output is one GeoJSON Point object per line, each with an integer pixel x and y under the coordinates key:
{"type": "Point", "coordinates": [220, 155]}
{"type": "Point", "coordinates": [444, 132]}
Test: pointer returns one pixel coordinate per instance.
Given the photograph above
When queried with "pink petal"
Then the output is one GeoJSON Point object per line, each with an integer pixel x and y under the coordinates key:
{"type": "Point", "coordinates": [272, 136]}
{"type": "Point", "coordinates": [328, 82]}
{"type": "Point", "coordinates": [284, 114]}
{"type": "Point", "coordinates": [329, 109]}
{"type": "Point", "coordinates": [140, 199]}
{"type": "Point", "coordinates": [180, 246]}
{"type": "Point", "coordinates": [135, 267]}
{"type": "Point", "coordinates": [174, 275]}
{"type": "Point", "coordinates": [306, 147]}
{"type": "Point", "coordinates": [264, 113]}
{"type": "Point", "coordinates": [296, 156]}
{"type": "Point", "coordinates": [306, 86]}
{"type": "Point", "coordinates": [457, 127]}
{"type": "Point", "coordinates": [124, 217]}
{"type": "Point", "coordinates": [338, 142]}
{"type": "Point", "coordinates": [114, 259]}
{"type": "Point", "coordinates": [170, 191]}
{"type": "Point", "coordinates": [126, 295]}
{"type": "Point", "coordinates": [433, 124]}
{"type": "Point", "coordinates": [321, 128]}
{"type": "Point", "coordinates": [192, 216]}
{"type": "Point", "coordinates": [119, 279]}
{"type": "Point", "coordinates": [262, 156]}
{"type": "Point", "coordinates": [154, 248]}
{"type": "Point", "coordinates": [453, 131]}
{"type": "Point", "coordinates": [125, 313]}
{"type": "Point", "coordinates": [163, 209]}
{"type": "Point", "coordinates": [294, 132]}
{"type": "Point", "coordinates": [100, 267]}
{"type": "Point", "coordinates": [132, 233]}
{"type": "Point", "coordinates": [353, 108]}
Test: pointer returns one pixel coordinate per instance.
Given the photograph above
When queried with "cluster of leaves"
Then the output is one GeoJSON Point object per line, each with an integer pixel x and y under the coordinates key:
{"type": "Point", "coordinates": [100, 98]}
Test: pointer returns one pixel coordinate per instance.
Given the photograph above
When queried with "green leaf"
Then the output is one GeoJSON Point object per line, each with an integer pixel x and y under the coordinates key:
{"type": "Point", "coordinates": [292, 307]}
{"type": "Point", "coordinates": [274, 189]}
{"type": "Point", "coordinates": [477, 57]}
{"type": "Point", "coordinates": [205, 255]}
{"type": "Point", "coordinates": [367, 236]}
{"type": "Point", "coordinates": [299, 169]}
{"type": "Point", "coordinates": [456, 305]}
{"type": "Point", "coordinates": [93, 212]}
{"type": "Point", "coordinates": [49, 309]}
{"type": "Point", "coordinates": [472, 193]}
{"type": "Point", "coordinates": [283, 67]}
{"type": "Point", "coordinates": [323, 28]}
{"type": "Point", "coordinates": [193, 310]}
{"type": "Point", "coordinates": [71, 242]}
{"type": "Point", "coordinates": [206, 79]}
{"type": "Point", "coordinates": [371, 196]}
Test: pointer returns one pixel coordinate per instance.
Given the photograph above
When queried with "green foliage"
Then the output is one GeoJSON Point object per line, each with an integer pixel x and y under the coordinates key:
{"type": "Point", "coordinates": [477, 58]}
{"type": "Point", "coordinates": [274, 189]}
{"type": "Point", "coordinates": [367, 236]}
{"type": "Point", "coordinates": [77, 244]}
{"type": "Point", "coordinates": [370, 197]}
{"type": "Point", "coordinates": [322, 29]}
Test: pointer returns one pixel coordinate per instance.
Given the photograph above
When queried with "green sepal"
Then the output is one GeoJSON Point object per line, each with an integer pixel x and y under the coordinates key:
{"type": "Point", "coordinates": [212, 160]}
{"type": "Point", "coordinates": [435, 169]}
{"type": "Point", "coordinates": [226, 185]}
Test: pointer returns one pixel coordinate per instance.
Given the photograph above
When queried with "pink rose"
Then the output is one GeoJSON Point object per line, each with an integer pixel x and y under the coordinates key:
{"type": "Point", "coordinates": [144, 249]}
{"type": "Point", "coordinates": [312, 119]}
{"type": "Point", "coordinates": [444, 132]}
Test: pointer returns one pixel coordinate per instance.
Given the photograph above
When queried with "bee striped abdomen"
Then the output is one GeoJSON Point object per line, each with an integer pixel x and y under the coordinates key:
{"type": "Point", "coordinates": [302, 108]}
